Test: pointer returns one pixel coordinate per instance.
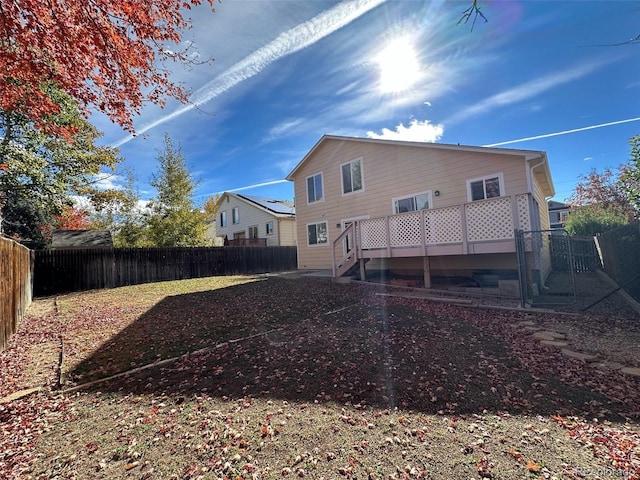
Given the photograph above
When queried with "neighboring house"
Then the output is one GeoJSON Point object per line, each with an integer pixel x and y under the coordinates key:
{"type": "Point", "coordinates": [419, 208]}
{"type": "Point", "coordinates": [81, 239]}
{"type": "Point", "coordinates": [251, 217]}
{"type": "Point", "coordinates": [558, 213]}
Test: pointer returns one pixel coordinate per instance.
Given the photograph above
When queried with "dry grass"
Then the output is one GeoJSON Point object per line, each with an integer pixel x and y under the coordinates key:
{"type": "Point", "coordinates": [305, 378]}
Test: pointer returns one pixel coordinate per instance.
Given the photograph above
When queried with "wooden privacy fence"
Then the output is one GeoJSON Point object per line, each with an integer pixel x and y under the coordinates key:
{"type": "Point", "coordinates": [70, 270]}
{"type": "Point", "coordinates": [15, 286]}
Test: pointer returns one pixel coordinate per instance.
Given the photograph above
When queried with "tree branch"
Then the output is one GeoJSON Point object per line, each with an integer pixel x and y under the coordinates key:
{"type": "Point", "coordinates": [472, 11]}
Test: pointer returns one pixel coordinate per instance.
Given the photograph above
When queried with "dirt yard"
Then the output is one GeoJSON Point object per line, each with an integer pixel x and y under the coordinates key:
{"type": "Point", "coordinates": [293, 377]}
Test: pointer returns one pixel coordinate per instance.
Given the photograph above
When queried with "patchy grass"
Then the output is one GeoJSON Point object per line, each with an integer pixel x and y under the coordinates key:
{"type": "Point", "coordinates": [300, 377]}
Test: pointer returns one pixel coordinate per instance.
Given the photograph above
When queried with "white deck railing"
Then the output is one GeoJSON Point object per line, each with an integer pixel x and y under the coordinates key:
{"type": "Point", "coordinates": [485, 226]}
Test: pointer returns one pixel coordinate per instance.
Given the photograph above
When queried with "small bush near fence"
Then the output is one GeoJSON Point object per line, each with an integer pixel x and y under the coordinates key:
{"type": "Point", "coordinates": [72, 270]}
{"type": "Point", "coordinates": [15, 287]}
{"type": "Point", "coordinates": [620, 250]}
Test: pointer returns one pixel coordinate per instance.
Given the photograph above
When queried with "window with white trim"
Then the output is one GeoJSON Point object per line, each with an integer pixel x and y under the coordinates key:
{"type": "Point", "coordinates": [235, 215]}
{"type": "Point", "coordinates": [253, 231]}
{"type": "Point", "coordinates": [489, 186]}
{"type": "Point", "coordinates": [269, 228]}
{"type": "Point", "coordinates": [317, 233]}
{"type": "Point", "coordinates": [352, 176]}
{"type": "Point", "coordinates": [412, 203]}
{"type": "Point", "coordinates": [315, 188]}
{"type": "Point", "coordinates": [223, 218]}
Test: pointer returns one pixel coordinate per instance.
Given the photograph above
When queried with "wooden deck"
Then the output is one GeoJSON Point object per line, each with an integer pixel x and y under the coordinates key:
{"type": "Point", "coordinates": [482, 227]}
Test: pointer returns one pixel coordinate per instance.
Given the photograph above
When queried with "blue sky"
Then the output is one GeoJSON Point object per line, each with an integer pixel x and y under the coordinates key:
{"type": "Point", "coordinates": [285, 72]}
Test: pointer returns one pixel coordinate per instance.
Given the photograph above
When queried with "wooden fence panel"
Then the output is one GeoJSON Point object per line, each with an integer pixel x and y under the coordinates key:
{"type": "Point", "coordinates": [84, 269]}
{"type": "Point", "coordinates": [16, 270]}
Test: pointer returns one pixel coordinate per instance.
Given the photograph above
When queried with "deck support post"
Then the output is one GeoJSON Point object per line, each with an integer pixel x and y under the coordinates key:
{"type": "Point", "coordinates": [363, 273]}
{"type": "Point", "coordinates": [427, 272]}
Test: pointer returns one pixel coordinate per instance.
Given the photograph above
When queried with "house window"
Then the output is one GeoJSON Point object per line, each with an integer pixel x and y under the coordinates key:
{"type": "Point", "coordinates": [482, 188]}
{"type": "Point", "coordinates": [412, 203]}
{"type": "Point", "coordinates": [314, 188]}
{"type": "Point", "coordinates": [352, 176]}
{"type": "Point", "coordinates": [317, 233]}
{"type": "Point", "coordinates": [269, 228]}
{"type": "Point", "coordinates": [235, 215]}
{"type": "Point", "coordinates": [223, 218]}
{"type": "Point", "coordinates": [253, 232]}
{"type": "Point", "coordinates": [563, 216]}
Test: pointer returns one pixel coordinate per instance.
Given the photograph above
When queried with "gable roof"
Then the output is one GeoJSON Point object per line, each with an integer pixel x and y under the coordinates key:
{"type": "Point", "coordinates": [544, 177]}
{"type": "Point", "coordinates": [553, 205]}
{"type": "Point", "coordinates": [278, 208]}
{"type": "Point", "coordinates": [81, 239]}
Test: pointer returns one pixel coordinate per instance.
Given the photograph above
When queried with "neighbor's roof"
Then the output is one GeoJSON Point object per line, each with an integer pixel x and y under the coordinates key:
{"type": "Point", "coordinates": [279, 208]}
{"type": "Point", "coordinates": [527, 154]}
{"type": "Point", "coordinates": [81, 239]}
{"type": "Point", "coordinates": [553, 205]}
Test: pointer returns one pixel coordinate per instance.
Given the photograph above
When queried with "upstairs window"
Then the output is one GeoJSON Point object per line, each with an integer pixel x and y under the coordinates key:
{"type": "Point", "coordinates": [235, 215]}
{"type": "Point", "coordinates": [412, 203]}
{"type": "Point", "coordinates": [223, 218]}
{"type": "Point", "coordinates": [490, 186]}
{"type": "Point", "coordinates": [352, 176]}
{"type": "Point", "coordinates": [269, 228]}
{"type": "Point", "coordinates": [314, 188]}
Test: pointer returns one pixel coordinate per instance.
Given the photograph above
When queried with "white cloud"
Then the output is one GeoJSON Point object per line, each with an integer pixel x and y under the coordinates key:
{"type": "Point", "coordinates": [107, 181]}
{"type": "Point", "coordinates": [82, 202]}
{"type": "Point", "coordinates": [416, 132]}
{"type": "Point", "coordinates": [288, 42]}
{"type": "Point", "coordinates": [527, 90]}
{"type": "Point", "coordinates": [282, 128]}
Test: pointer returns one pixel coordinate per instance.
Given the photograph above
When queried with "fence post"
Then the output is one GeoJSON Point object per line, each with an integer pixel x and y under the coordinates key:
{"type": "Point", "coordinates": [518, 236]}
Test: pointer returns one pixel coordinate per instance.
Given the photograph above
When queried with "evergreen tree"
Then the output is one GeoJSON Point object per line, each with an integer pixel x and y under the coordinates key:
{"type": "Point", "coordinates": [173, 220]}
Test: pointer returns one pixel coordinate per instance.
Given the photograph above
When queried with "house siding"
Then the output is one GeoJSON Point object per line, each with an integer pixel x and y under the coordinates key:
{"type": "Point", "coordinates": [389, 171]}
{"type": "Point", "coordinates": [286, 231]}
{"type": "Point", "coordinates": [249, 216]}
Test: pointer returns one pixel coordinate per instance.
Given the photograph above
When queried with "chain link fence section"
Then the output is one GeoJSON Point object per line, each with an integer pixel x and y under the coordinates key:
{"type": "Point", "coordinates": [552, 266]}
{"type": "Point", "coordinates": [620, 253]}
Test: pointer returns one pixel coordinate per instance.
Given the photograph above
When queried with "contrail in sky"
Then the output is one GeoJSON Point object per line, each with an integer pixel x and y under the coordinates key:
{"type": "Point", "coordinates": [564, 132]}
{"type": "Point", "coordinates": [263, 184]}
{"type": "Point", "coordinates": [291, 41]}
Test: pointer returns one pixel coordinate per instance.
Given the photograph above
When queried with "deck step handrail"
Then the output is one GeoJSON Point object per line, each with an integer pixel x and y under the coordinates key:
{"type": "Point", "coordinates": [344, 263]}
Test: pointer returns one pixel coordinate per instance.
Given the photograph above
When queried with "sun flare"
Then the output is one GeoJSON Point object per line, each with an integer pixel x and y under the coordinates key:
{"type": "Point", "coordinates": [399, 66]}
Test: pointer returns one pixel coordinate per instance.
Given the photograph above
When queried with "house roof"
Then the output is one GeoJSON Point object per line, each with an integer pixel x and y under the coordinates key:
{"type": "Point", "coordinates": [81, 239]}
{"type": "Point", "coordinates": [278, 208]}
{"type": "Point", "coordinates": [553, 205]}
{"type": "Point", "coordinates": [544, 176]}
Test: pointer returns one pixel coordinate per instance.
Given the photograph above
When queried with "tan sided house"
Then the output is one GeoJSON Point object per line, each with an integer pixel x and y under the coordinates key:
{"type": "Point", "coordinates": [252, 220]}
{"type": "Point", "coordinates": [436, 210]}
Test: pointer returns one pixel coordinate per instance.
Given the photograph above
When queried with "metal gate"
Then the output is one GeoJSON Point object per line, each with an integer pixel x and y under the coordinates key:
{"type": "Point", "coordinates": [577, 253]}
{"type": "Point", "coordinates": [548, 261]}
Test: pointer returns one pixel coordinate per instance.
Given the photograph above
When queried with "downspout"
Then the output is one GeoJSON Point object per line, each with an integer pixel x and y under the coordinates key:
{"type": "Point", "coordinates": [541, 208]}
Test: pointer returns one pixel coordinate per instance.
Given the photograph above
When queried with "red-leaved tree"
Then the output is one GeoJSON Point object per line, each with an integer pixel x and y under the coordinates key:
{"type": "Point", "coordinates": [72, 218]}
{"type": "Point", "coordinates": [602, 192]}
{"type": "Point", "coordinates": [105, 53]}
